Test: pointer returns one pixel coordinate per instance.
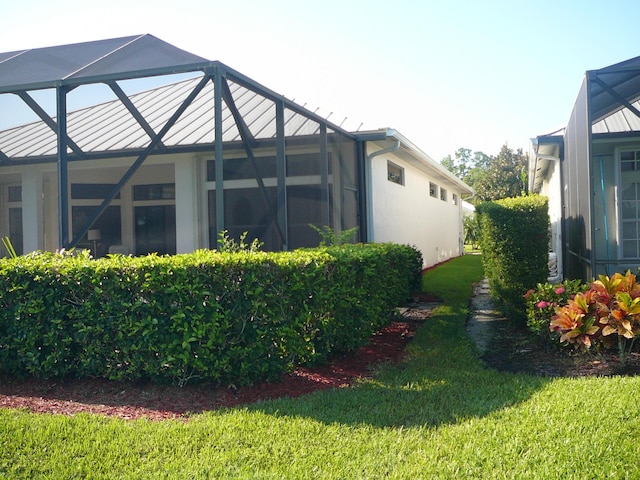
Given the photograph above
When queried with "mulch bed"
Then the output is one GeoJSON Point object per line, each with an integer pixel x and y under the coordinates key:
{"type": "Point", "coordinates": [133, 400]}
{"type": "Point", "coordinates": [514, 349]}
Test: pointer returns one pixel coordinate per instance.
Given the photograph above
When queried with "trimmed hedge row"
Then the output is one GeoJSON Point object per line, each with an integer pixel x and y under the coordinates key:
{"type": "Point", "coordinates": [229, 317]}
{"type": "Point", "coordinates": [515, 245]}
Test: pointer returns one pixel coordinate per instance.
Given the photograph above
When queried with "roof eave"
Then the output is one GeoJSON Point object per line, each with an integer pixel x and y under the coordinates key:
{"type": "Point", "coordinates": [417, 153]}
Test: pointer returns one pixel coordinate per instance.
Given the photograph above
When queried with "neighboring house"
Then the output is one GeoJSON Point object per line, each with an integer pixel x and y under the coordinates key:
{"type": "Point", "coordinates": [139, 173]}
{"type": "Point", "coordinates": [591, 173]}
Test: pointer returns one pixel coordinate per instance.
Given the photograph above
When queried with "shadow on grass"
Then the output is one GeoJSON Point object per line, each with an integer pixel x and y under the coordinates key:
{"type": "Point", "coordinates": [443, 382]}
{"type": "Point", "coordinates": [433, 402]}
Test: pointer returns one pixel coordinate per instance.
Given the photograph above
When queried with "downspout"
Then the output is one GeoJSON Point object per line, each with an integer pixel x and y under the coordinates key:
{"type": "Point", "coordinates": [392, 148]}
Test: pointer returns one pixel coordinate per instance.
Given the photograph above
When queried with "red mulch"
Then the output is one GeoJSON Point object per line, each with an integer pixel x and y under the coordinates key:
{"type": "Point", "coordinates": [132, 400]}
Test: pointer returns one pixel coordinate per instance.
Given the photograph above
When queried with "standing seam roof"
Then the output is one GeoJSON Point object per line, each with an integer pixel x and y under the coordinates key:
{"type": "Point", "coordinates": [110, 126]}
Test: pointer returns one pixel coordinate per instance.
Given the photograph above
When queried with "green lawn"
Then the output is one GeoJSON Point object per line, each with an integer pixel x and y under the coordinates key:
{"type": "Point", "coordinates": [440, 414]}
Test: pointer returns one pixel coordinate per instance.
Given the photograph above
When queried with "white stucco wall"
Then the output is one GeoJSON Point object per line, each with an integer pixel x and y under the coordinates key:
{"type": "Point", "coordinates": [552, 189]}
{"type": "Point", "coordinates": [407, 214]}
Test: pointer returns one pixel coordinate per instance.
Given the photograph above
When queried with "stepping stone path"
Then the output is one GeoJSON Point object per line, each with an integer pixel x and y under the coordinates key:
{"type": "Point", "coordinates": [483, 319]}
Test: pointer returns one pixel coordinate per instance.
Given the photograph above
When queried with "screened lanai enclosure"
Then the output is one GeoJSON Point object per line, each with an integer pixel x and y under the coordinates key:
{"type": "Point", "coordinates": [165, 168]}
{"type": "Point", "coordinates": [591, 173]}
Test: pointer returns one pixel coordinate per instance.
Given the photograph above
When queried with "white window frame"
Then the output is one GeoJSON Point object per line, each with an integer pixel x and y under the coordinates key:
{"type": "Point", "coordinates": [434, 190]}
{"type": "Point", "coordinates": [618, 185]}
{"type": "Point", "coordinates": [396, 177]}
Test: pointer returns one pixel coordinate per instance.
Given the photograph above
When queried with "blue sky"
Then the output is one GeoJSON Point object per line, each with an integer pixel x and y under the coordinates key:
{"type": "Point", "coordinates": [445, 74]}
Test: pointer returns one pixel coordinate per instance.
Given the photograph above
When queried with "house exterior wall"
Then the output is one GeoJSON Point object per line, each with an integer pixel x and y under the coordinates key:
{"type": "Point", "coordinates": [551, 188]}
{"type": "Point", "coordinates": [407, 214]}
{"type": "Point", "coordinates": [577, 171]}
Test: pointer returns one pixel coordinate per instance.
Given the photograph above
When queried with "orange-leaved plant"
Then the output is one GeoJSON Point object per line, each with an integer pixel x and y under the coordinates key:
{"type": "Point", "coordinates": [608, 311]}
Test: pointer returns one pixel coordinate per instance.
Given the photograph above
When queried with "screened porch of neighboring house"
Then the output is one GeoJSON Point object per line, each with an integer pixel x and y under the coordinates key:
{"type": "Point", "coordinates": [164, 166]}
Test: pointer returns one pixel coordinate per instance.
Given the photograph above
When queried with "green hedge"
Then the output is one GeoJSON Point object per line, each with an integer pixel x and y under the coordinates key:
{"type": "Point", "coordinates": [228, 317]}
{"type": "Point", "coordinates": [515, 246]}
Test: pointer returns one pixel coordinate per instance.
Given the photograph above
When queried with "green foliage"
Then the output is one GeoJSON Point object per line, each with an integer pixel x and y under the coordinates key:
{"type": "Point", "coordinates": [514, 242]}
{"type": "Point", "coordinates": [8, 246]}
{"type": "Point", "coordinates": [227, 244]}
{"type": "Point", "coordinates": [607, 314]}
{"type": "Point", "coordinates": [542, 301]}
{"type": "Point", "coordinates": [235, 317]}
{"type": "Point", "coordinates": [471, 227]}
{"type": "Point", "coordinates": [331, 238]}
{"type": "Point", "coordinates": [492, 177]}
{"type": "Point", "coordinates": [466, 164]}
{"type": "Point", "coordinates": [504, 177]}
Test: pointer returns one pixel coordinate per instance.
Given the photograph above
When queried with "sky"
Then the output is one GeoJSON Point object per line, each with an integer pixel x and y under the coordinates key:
{"type": "Point", "coordinates": [446, 74]}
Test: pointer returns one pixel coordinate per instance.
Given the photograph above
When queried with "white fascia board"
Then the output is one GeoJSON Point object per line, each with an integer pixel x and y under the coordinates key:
{"type": "Point", "coordinates": [426, 163]}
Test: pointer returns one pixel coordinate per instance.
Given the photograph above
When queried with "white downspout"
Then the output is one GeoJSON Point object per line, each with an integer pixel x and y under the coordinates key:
{"type": "Point", "coordinates": [369, 186]}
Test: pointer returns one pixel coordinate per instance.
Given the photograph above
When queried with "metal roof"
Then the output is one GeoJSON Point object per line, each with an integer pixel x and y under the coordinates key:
{"type": "Point", "coordinates": [110, 127]}
{"type": "Point", "coordinates": [623, 120]}
{"type": "Point", "coordinates": [611, 86]}
{"type": "Point", "coordinates": [81, 63]}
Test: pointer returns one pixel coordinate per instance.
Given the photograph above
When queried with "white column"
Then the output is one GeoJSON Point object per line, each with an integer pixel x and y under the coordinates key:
{"type": "Point", "coordinates": [186, 205]}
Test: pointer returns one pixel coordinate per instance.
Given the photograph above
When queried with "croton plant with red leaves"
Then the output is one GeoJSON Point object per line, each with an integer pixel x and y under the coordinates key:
{"type": "Point", "coordinates": [605, 315]}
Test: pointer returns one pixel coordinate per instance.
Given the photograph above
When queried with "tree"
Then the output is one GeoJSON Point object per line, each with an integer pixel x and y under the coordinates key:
{"type": "Point", "coordinates": [504, 176]}
{"type": "Point", "coordinates": [492, 177]}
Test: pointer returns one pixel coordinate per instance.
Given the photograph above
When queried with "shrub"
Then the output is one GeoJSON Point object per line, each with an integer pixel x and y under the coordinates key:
{"type": "Point", "coordinates": [542, 301]}
{"type": "Point", "coordinates": [515, 242]}
{"type": "Point", "coordinates": [234, 318]}
{"type": "Point", "coordinates": [607, 314]}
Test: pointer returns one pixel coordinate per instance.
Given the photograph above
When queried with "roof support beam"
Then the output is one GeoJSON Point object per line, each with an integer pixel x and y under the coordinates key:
{"type": "Point", "coordinates": [140, 160]}
{"type": "Point", "coordinates": [219, 150]}
{"type": "Point", "coordinates": [63, 177]}
{"type": "Point", "coordinates": [248, 141]}
{"type": "Point", "coordinates": [281, 175]}
{"type": "Point", "coordinates": [324, 176]}
{"type": "Point", "coordinates": [362, 192]}
{"type": "Point", "coordinates": [126, 101]}
{"type": "Point", "coordinates": [616, 95]}
{"type": "Point", "coordinates": [38, 110]}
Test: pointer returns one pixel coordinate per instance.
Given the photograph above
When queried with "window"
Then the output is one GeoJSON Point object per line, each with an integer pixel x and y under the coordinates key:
{"type": "Point", "coordinates": [630, 204]}
{"type": "Point", "coordinates": [395, 173]}
{"type": "Point", "coordinates": [443, 194]}
{"type": "Point", "coordinates": [86, 197]}
{"type": "Point", "coordinates": [433, 190]}
{"type": "Point", "coordinates": [454, 198]}
{"type": "Point", "coordinates": [159, 191]}
{"type": "Point", "coordinates": [108, 227]}
{"type": "Point", "coordinates": [243, 168]}
{"type": "Point", "coordinates": [92, 191]}
{"type": "Point", "coordinates": [630, 161]}
{"type": "Point", "coordinates": [155, 229]}
{"type": "Point", "coordinates": [155, 218]}
{"type": "Point", "coordinates": [14, 194]}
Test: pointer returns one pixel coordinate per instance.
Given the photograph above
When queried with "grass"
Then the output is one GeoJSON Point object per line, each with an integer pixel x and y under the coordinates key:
{"type": "Point", "coordinates": [439, 414]}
